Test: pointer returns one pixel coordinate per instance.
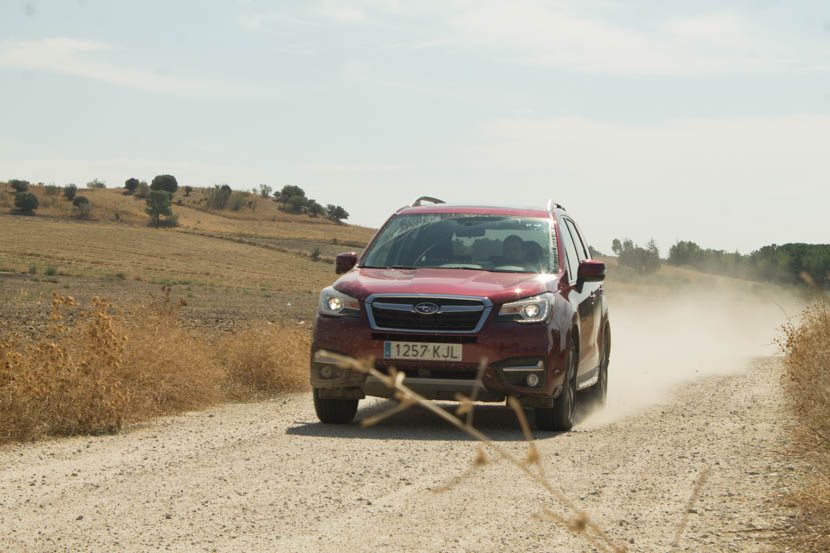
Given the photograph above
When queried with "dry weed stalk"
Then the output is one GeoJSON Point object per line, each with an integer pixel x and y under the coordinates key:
{"type": "Point", "coordinates": [580, 523]}
{"type": "Point", "coordinates": [806, 348]}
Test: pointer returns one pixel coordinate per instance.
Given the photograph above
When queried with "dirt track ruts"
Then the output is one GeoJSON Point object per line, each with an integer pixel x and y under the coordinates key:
{"type": "Point", "coordinates": [267, 477]}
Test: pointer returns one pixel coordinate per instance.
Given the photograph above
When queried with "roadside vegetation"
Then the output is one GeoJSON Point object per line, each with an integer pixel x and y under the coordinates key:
{"type": "Point", "coordinates": [806, 346]}
{"type": "Point", "coordinates": [95, 370]}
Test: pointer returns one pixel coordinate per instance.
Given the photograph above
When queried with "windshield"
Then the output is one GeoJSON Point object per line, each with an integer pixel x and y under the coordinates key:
{"type": "Point", "coordinates": [463, 241]}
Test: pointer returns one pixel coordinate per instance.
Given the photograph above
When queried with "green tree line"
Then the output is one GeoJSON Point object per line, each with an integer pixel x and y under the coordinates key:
{"type": "Point", "coordinates": [775, 263]}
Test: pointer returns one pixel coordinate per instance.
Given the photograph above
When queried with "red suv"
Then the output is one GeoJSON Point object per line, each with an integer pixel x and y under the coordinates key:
{"type": "Point", "coordinates": [441, 287]}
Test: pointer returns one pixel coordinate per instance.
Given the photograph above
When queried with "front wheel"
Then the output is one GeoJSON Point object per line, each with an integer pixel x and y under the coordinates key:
{"type": "Point", "coordinates": [334, 411]}
{"type": "Point", "coordinates": [561, 416]}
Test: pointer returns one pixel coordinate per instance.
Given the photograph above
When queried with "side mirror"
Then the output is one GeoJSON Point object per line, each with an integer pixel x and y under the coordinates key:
{"type": "Point", "coordinates": [591, 270]}
{"type": "Point", "coordinates": [344, 262]}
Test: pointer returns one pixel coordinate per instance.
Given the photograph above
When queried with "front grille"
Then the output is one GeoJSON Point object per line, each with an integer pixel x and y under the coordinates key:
{"type": "Point", "coordinates": [454, 314]}
{"type": "Point", "coordinates": [458, 371]}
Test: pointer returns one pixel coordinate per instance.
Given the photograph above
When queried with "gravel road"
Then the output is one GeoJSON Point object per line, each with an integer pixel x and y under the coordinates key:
{"type": "Point", "coordinates": [267, 477]}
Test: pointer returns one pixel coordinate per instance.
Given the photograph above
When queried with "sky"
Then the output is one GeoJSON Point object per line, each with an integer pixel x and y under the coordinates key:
{"type": "Point", "coordinates": [706, 121]}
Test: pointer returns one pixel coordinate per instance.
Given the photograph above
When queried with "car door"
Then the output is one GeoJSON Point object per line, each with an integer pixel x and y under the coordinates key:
{"type": "Point", "coordinates": [580, 298]}
{"type": "Point", "coordinates": [593, 300]}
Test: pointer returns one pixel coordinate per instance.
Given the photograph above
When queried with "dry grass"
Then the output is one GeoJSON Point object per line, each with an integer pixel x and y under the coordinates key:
{"type": "Point", "coordinates": [807, 362]}
{"type": "Point", "coordinates": [102, 371]}
{"type": "Point", "coordinates": [265, 358]}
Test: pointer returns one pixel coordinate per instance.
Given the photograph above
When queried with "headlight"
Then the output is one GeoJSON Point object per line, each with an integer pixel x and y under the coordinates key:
{"type": "Point", "coordinates": [528, 310]}
{"type": "Point", "coordinates": [337, 303]}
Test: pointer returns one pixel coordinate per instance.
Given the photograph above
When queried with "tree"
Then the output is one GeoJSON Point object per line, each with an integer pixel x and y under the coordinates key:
{"type": "Point", "coordinates": [188, 190]}
{"type": "Point", "coordinates": [264, 190]}
{"type": "Point", "coordinates": [643, 260]}
{"type": "Point", "coordinates": [165, 182]}
{"type": "Point", "coordinates": [337, 213]}
{"type": "Point", "coordinates": [19, 185]}
{"type": "Point", "coordinates": [69, 191]}
{"type": "Point", "coordinates": [293, 199]}
{"type": "Point", "coordinates": [131, 184]}
{"type": "Point", "coordinates": [315, 209]}
{"type": "Point", "coordinates": [25, 202]}
{"type": "Point", "coordinates": [96, 184]}
{"type": "Point", "coordinates": [158, 204]}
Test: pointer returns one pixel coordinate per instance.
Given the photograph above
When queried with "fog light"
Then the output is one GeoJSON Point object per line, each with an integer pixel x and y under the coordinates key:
{"type": "Point", "coordinates": [326, 371]}
{"type": "Point", "coordinates": [533, 380]}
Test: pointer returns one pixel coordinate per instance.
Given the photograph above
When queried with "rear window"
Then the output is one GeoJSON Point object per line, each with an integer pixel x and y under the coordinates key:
{"type": "Point", "coordinates": [463, 241]}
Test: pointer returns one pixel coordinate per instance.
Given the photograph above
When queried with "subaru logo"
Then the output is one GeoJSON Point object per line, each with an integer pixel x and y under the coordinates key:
{"type": "Point", "coordinates": [426, 308]}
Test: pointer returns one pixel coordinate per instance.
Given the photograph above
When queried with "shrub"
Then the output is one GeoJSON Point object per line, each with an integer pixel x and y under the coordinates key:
{"type": "Point", "coordinates": [32, 269]}
{"type": "Point", "coordinates": [96, 184]}
{"type": "Point", "coordinates": [51, 190]}
{"type": "Point", "coordinates": [158, 205]}
{"type": "Point", "coordinates": [19, 185]}
{"type": "Point", "coordinates": [238, 201]}
{"type": "Point", "coordinates": [69, 191]}
{"type": "Point", "coordinates": [81, 207]}
{"type": "Point", "coordinates": [167, 183]}
{"type": "Point", "coordinates": [188, 190]}
{"type": "Point", "coordinates": [25, 202]}
{"type": "Point", "coordinates": [142, 190]}
{"type": "Point", "coordinates": [315, 254]}
{"type": "Point", "coordinates": [217, 197]}
{"type": "Point", "coordinates": [130, 185]}
{"type": "Point", "coordinates": [51, 271]}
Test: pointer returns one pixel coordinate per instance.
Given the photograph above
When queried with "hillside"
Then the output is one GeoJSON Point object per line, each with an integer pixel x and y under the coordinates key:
{"type": "Point", "coordinates": [257, 262]}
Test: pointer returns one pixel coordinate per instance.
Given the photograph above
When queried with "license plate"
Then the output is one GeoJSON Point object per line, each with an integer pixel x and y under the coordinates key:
{"type": "Point", "coordinates": [422, 350]}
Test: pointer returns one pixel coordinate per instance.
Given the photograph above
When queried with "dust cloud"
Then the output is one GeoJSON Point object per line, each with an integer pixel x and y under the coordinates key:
{"type": "Point", "coordinates": [660, 341]}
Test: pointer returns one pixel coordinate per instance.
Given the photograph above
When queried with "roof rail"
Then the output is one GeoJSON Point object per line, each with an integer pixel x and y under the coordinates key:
{"type": "Point", "coordinates": [430, 199]}
{"type": "Point", "coordinates": [553, 205]}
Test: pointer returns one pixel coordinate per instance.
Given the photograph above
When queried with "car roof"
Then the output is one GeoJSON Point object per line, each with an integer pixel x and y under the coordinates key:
{"type": "Point", "coordinates": [521, 211]}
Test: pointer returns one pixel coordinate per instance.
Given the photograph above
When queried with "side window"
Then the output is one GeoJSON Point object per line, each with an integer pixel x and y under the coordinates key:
{"type": "Point", "coordinates": [581, 250]}
{"type": "Point", "coordinates": [570, 252]}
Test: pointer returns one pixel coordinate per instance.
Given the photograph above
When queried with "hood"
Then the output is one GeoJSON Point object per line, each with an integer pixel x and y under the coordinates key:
{"type": "Point", "coordinates": [498, 287]}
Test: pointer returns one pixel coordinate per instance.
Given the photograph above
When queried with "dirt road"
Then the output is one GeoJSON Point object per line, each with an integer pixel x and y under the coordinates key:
{"type": "Point", "coordinates": [268, 477]}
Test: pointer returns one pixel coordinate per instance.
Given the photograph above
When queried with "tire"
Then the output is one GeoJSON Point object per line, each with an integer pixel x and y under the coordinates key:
{"type": "Point", "coordinates": [560, 417]}
{"type": "Point", "coordinates": [597, 394]}
{"type": "Point", "coordinates": [334, 411]}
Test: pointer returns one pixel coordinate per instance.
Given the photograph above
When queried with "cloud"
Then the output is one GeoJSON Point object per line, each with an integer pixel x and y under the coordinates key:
{"type": "Point", "coordinates": [358, 167]}
{"type": "Point", "coordinates": [82, 58]}
{"type": "Point", "coordinates": [590, 37]}
{"type": "Point", "coordinates": [549, 34]}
